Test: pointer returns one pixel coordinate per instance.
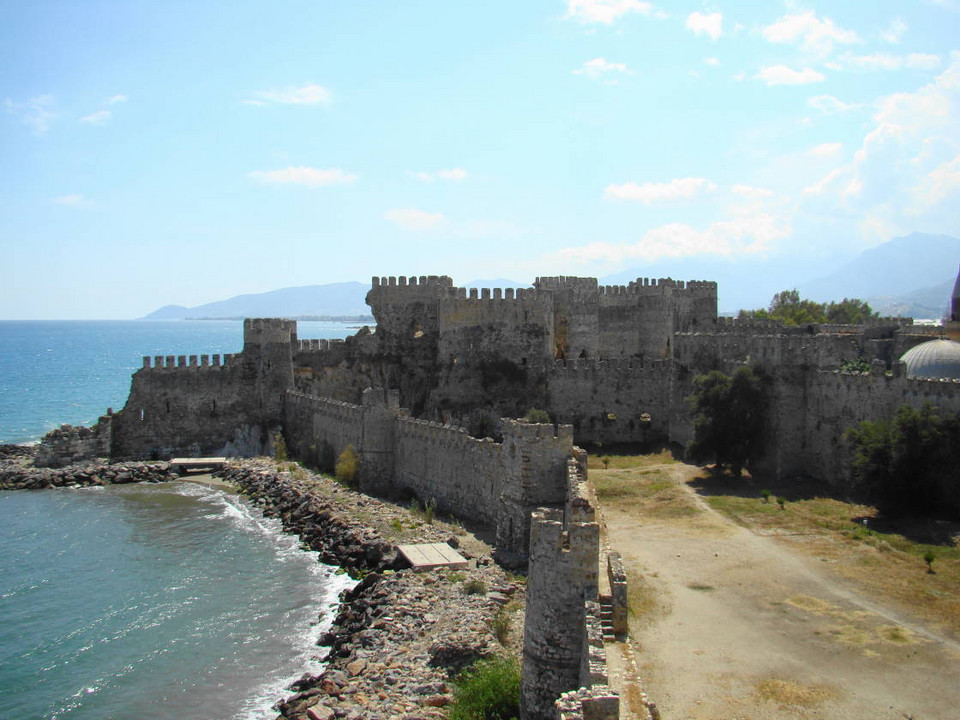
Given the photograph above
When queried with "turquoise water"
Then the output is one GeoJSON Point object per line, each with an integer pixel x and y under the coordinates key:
{"type": "Point", "coordinates": [54, 372]}
{"type": "Point", "coordinates": [152, 601]}
{"type": "Point", "coordinates": [172, 600]}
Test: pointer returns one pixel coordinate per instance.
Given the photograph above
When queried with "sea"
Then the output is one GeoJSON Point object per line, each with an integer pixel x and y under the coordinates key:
{"type": "Point", "coordinates": [152, 601]}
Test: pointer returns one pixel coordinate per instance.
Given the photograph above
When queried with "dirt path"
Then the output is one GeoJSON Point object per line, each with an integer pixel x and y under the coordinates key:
{"type": "Point", "coordinates": [746, 627]}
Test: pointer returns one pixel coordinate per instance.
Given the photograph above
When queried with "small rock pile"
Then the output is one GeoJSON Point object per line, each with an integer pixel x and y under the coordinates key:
{"type": "Point", "coordinates": [17, 472]}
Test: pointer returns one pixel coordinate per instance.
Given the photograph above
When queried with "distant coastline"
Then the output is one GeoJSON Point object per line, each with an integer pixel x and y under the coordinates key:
{"type": "Point", "coordinates": [305, 318]}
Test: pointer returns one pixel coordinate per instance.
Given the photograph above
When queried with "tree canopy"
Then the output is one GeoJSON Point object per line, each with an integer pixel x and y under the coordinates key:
{"type": "Point", "coordinates": [788, 307]}
{"type": "Point", "coordinates": [728, 425]}
{"type": "Point", "coordinates": [909, 464]}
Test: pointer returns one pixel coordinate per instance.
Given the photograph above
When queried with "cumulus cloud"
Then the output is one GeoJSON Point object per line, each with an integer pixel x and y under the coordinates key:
{"type": "Point", "coordinates": [413, 219]}
{"type": "Point", "coordinates": [37, 113]}
{"type": "Point", "coordinates": [907, 166]}
{"type": "Point", "coordinates": [810, 33]}
{"type": "Point", "coordinates": [783, 75]}
{"type": "Point", "coordinates": [73, 201]}
{"type": "Point", "coordinates": [889, 61]}
{"type": "Point", "coordinates": [706, 24]}
{"type": "Point", "coordinates": [102, 117]}
{"type": "Point", "coordinates": [711, 61]}
{"type": "Point", "coordinates": [600, 67]}
{"type": "Point", "coordinates": [453, 175]}
{"type": "Point", "coordinates": [307, 176]}
{"type": "Point", "coordinates": [606, 11]}
{"type": "Point", "coordinates": [825, 150]}
{"type": "Point", "coordinates": [750, 192]}
{"type": "Point", "coordinates": [745, 235]}
{"type": "Point", "coordinates": [309, 94]}
{"type": "Point", "coordinates": [894, 32]}
{"type": "Point", "coordinates": [829, 105]}
{"type": "Point", "coordinates": [647, 193]}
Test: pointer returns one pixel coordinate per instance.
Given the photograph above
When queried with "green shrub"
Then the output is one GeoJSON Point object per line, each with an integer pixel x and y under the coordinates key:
{"type": "Point", "coordinates": [279, 448]}
{"type": "Point", "coordinates": [348, 465]}
{"type": "Point", "coordinates": [475, 587]}
{"type": "Point", "coordinates": [535, 415]}
{"type": "Point", "coordinates": [489, 690]}
{"type": "Point", "coordinates": [500, 625]}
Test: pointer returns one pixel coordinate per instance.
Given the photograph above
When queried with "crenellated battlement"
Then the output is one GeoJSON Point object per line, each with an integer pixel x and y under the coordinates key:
{"type": "Point", "coordinates": [314, 345]}
{"type": "Point", "coordinates": [532, 432]}
{"type": "Point", "coordinates": [186, 362]}
{"type": "Point", "coordinates": [265, 331]}
{"type": "Point", "coordinates": [587, 366]}
{"type": "Point", "coordinates": [412, 281]}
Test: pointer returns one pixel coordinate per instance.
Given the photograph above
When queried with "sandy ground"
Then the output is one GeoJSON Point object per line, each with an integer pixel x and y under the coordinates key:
{"type": "Point", "coordinates": [744, 626]}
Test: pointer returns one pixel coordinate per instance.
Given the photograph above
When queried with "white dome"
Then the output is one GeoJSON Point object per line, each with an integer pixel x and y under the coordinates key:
{"type": "Point", "coordinates": [935, 359]}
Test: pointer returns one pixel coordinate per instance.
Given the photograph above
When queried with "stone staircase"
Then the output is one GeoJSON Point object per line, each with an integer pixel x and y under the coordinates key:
{"type": "Point", "coordinates": [606, 618]}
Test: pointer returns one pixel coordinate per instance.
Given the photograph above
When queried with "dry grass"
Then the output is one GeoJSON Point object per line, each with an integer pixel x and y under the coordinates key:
{"type": "Point", "coordinates": [785, 692]}
{"type": "Point", "coordinates": [887, 565]}
{"type": "Point", "coordinates": [639, 484]}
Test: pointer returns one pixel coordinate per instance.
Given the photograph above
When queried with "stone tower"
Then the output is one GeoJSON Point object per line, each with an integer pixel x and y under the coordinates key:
{"type": "Point", "coordinates": [268, 366]}
{"type": "Point", "coordinates": [562, 576]}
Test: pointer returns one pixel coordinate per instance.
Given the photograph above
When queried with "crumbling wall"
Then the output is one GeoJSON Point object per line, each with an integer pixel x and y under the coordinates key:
{"type": "Point", "coordinates": [68, 444]}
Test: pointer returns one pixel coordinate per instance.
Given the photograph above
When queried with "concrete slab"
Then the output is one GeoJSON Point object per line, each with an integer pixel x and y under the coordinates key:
{"type": "Point", "coordinates": [427, 556]}
{"type": "Point", "coordinates": [183, 465]}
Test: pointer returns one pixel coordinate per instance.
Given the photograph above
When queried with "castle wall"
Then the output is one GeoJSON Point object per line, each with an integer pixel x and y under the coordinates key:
{"type": "Point", "coordinates": [612, 401]}
{"type": "Point", "coordinates": [182, 405]}
{"type": "Point", "coordinates": [444, 464]}
{"type": "Point", "coordinates": [318, 429]}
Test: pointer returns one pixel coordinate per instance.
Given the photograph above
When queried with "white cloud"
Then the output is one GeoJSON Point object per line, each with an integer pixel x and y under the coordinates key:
{"type": "Point", "coordinates": [412, 219]}
{"type": "Point", "coordinates": [73, 201]}
{"type": "Point", "coordinates": [453, 175]}
{"type": "Point", "coordinates": [750, 192]}
{"type": "Point", "coordinates": [308, 176]}
{"type": "Point", "coordinates": [116, 99]}
{"type": "Point", "coordinates": [783, 75]}
{"type": "Point", "coordinates": [676, 189]}
{"type": "Point", "coordinates": [600, 67]}
{"type": "Point", "coordinates": [825, 150]}
{"type": "Point", "coordinates": [309, 94]}
{"type": "Point", "coordinates": [939, 184]}
{"type": "Point", "coordinates": [888, 61]}
{"type": "Point", "coordinates": [923, 61]}
{"type": "Point", "coordinates": [828, 104]}
{"type": "Point", "coordinates": [745, 235]}
{"type": "Point", "coordinates": [894, 32]}
{"type": "Point", "coordinates": [101, 117]}
{"type": "Point", "coordinates": [706, 24]}
{"type": "Point", "coordinates": [812, 34]}
{"type": "Point", "coordinates": [906, 173]}
{"type": "Point", "coordinates": [711, 61]}
{"type": "Point", "coordinates": [37, 113]}
{"type": "Point", "coordinates": [606, 11]}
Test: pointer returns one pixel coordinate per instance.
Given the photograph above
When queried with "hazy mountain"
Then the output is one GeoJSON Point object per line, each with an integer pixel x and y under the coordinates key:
{"type": "Point", "coordinates": [893, 270]}
{"type": "Point", "coordinates": [932, 303]}
{"type": "Point", "coordinates": [347, 298]}
{"type": "Point", "coordinates": [906, 273]}
{"type": "Point", "coordinates": [497, 283]}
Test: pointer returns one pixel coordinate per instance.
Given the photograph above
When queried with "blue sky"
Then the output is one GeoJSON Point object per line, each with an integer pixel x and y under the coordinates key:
{"type": "Point", "coordinates": [185, 152]}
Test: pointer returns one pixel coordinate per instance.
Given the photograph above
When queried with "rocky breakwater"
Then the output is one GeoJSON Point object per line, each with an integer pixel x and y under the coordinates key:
{"type": "Point", "coordinates": [400, 636]}
{"type": "Point", "coordinates": [17, 472]}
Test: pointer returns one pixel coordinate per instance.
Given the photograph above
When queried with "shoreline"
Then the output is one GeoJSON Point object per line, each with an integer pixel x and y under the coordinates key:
{"type": "Point", "coordinates": [397, 637]}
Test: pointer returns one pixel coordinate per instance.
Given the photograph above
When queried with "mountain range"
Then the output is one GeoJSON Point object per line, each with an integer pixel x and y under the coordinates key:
{"type": "Point", "coordinates": [910, 276]}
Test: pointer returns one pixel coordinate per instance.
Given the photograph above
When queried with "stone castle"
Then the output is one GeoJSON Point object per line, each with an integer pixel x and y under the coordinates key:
{"type": "Point", "coordinates": [426, 398]}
